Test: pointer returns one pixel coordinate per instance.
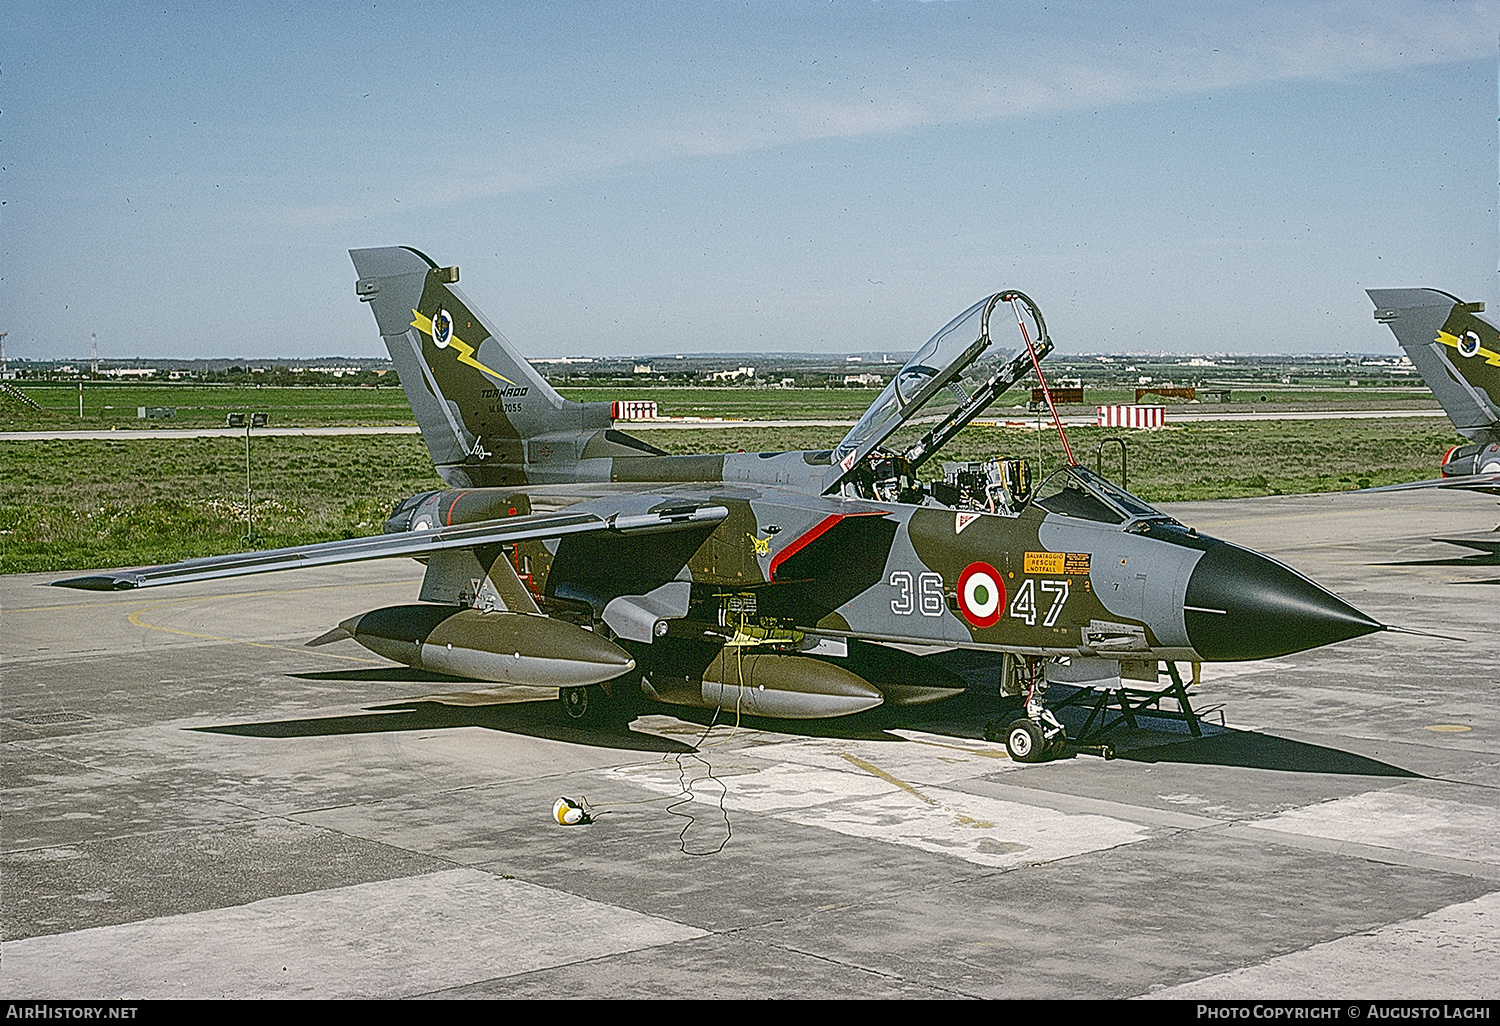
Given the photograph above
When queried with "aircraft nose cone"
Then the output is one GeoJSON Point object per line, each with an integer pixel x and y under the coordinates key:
{"type": "Point", "coordinates": [1241, 605]}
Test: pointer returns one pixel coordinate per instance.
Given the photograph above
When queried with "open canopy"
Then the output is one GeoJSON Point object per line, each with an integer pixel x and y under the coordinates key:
{"type": "Point", "coordinates": [947, 382]}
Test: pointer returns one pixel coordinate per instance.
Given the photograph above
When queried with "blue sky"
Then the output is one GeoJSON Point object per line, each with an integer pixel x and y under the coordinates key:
{"type": "Point", "coordinates": [644, 178]}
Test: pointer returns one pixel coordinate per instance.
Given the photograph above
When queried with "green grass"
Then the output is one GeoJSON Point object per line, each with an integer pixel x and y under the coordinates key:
{"type": "Point", "coordinates": [111, 405]}
{"type": "Point", "coordinates": [80, 504]}
{"type": "Point", "coordinates": [76, 505]}
{"type": "Point", "coordinates": [198, 405]}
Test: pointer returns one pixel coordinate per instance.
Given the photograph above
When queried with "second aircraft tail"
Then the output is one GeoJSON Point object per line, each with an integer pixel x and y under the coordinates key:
{"type": "Point", "coordinates": [1456, 351]}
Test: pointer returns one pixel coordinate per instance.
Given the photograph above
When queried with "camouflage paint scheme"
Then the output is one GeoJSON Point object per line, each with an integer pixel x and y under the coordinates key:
{"type": "Point", "coordinates": [797, 584]}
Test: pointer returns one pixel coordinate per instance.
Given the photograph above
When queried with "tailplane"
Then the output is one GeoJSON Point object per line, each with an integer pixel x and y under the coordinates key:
{"type": "Point", "coordinates": [1456, 351]}
{"type": "Point", "coordinates": [487, 416]}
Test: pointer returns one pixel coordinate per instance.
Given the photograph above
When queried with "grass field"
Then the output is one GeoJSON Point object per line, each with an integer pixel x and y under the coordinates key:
{"type": "Point", "coordinates": [76, 505]}
{"type": "Point", "coordinates": [79, 504]}
{"type": "Point", "coordinates": [117, 405]}
{"type": "Point", "coordinates": [111, 405]}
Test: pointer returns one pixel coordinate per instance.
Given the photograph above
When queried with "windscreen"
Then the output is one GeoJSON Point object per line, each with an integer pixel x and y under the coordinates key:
{"type": "Point", "coordinates": [1078, 492]}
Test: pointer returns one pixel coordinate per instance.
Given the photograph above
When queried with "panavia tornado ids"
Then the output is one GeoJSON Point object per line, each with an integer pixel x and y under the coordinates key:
{"type": "Point", "coordinates": [1457, 352]}
{"type": "Point", "coordinates": [564, 552]}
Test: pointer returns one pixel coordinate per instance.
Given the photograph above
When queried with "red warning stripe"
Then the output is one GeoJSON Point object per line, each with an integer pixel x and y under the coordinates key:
{"type": "Point", "coordinates": [821, 528]}
{"type": "Point", "coordinates": [448, 516]}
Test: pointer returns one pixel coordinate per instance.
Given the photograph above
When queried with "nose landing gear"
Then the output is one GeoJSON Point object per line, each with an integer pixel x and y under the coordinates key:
{"type": "Point", "coordinates": [1037, 736]}
{"type": "Point", "coordinates": [1027, 740]}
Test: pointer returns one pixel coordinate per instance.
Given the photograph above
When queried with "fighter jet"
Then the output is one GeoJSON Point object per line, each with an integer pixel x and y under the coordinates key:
{"type": "Point", "coordinates": [567, 553]}
{"type": "Point", "coordinates": [1457, 352]}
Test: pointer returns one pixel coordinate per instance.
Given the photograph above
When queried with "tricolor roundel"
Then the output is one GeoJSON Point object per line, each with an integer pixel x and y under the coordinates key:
{"type": "Point", "coordinates": [981, 594]}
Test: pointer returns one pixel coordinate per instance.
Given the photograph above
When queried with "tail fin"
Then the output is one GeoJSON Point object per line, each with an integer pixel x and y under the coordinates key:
{"type": "Point", "coordinates": [1456, 351]}
{"type": "Point", "coordinates": [485, 413]}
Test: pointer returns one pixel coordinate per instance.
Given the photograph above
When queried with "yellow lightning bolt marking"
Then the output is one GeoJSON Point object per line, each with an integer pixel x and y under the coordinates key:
{"type": "Point", "coordinates": [465, 351]}
{"type": "Point", "coordinates": [1451, 341]}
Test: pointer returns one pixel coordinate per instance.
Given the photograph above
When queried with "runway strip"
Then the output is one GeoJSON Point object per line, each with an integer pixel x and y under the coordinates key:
{"type": "Point", "coordinates": [809, 782]}
{"type": "Point", "coordinates": [198, 805]}
{"type": "Point", "coordinates": [1174, 416]}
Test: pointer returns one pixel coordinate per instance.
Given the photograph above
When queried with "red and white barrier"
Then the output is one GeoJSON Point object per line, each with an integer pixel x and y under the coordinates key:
{"type": "Point", "coordinates": [1131, 416]}
{"type": "Point", "coordinates": [632, 409]}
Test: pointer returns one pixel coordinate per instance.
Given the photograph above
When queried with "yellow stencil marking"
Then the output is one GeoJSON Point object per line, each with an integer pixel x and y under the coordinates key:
{"type": "Point", "coordinates": [876, 771]}
{"type": "Point", "coordinates": [465, 351]}
{"type": "Point", "coordinates": [1044, 563]}
{"type": "Point", "coordinates": [1056, 563]}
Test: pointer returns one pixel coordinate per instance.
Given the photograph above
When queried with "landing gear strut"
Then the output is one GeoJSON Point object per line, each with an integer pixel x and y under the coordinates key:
{"type": "Point", "coordinates": [1037, 736]}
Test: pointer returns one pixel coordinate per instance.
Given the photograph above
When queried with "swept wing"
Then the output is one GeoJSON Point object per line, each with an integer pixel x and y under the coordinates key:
{"type": "Point", "coordinates": [666, 516]}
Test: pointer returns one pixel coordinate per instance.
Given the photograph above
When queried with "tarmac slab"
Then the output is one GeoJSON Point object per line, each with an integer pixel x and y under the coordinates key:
{"type": "Point", "coordinates": [1430, 959]}
{"type": "Point", "coordinates": [389, 939]}
{"type": "Point", "coordinates": [196, 804]}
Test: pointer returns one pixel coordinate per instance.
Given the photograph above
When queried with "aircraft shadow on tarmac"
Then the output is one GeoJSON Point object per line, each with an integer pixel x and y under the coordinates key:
{"type": "Point", "coordinates": [532, 718]}
{"type": "Point", "coordinates": [962, 718]}
{"type": "Point", "coordinates": [1253, 750]}
{"type": "Point", "coordinates": [1484, 552]}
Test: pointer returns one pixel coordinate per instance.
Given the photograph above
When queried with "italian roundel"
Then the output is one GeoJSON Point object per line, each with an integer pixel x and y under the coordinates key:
{"type": "Point", "coordinates": [981, 594]}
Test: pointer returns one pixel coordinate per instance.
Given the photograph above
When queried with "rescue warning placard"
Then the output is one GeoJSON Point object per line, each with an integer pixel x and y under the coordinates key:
{"type": "Point", "coordinates": [1057, 563]}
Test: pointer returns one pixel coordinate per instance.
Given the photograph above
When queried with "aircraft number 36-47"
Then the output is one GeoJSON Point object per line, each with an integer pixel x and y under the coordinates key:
{"type": "Point", "coordinates": [924, 593]}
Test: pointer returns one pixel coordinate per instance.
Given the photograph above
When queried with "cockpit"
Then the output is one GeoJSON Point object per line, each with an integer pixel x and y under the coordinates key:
{"type": "Point", "coordinates": [957, 373]}
{"type": "Point", "coordinates": [946, 383]}
{"type": "Point", "coordinates": [1003, 485]}
{"type": "Point", "coordinates": [943, 386]}
{"type": "Point", "coordinates": [999, 485]}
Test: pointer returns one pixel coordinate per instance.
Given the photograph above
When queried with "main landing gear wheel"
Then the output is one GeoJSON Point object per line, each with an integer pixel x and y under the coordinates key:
{"type": "Point", "coordinates": [585, 706]}
{"type": "Point", "coordinates": [1025, 742]}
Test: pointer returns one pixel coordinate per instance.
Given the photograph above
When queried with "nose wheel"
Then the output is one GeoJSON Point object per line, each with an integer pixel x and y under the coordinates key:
{"type": "Point", "coordinates": [1028, 740]}
{"type": "Point", "coordinates": [1036, 736]}
{"type": "Point", "coordinates": [1024, 741]}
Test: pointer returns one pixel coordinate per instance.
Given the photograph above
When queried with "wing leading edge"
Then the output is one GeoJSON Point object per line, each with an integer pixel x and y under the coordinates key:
{"type": "Point", "coordinates": [675, 517]}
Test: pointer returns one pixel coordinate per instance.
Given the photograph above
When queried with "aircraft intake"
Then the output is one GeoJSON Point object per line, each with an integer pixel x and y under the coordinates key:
{"type": "Point", "coordinates": [768, 684]}
{"type": "Point", "coordinates": [509, 648]}
{"type": "Point", "coordinates": [1478, 458]}
{"type": "Point", "coordinates": [1242, 605]}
